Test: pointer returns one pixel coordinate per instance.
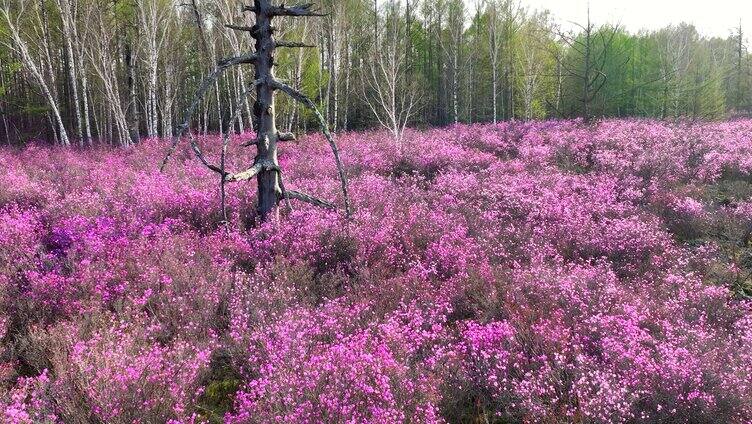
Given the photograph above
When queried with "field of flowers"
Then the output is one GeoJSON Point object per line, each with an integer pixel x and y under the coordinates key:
{"type": "Point", "coordinates": [520, 272]}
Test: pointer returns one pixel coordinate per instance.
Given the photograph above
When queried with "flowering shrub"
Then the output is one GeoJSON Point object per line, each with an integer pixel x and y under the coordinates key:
{"type": "Point", "coordinates": [517, 272]}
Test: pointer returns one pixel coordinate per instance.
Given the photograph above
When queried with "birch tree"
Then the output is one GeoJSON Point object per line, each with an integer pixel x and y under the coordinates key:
{"type": "Point", "coordinates": [589, 54]}
{"type": "Point", "coordinates": [388, 91]}
{"type": "Point", "coordinates": [67, 17]}
{"type": "Point", "coordinates": [502, 17]}
{"type": "Point", "coordinates": [103, 55]}
{"type": "Point", "coordinates": [532, 59]}
{"type": "Point", "coordinates": [153, 18]}
{"type": "Point", "coordinates": [12, 12]}
{"type": "Point", "coordinates": [452, 49]}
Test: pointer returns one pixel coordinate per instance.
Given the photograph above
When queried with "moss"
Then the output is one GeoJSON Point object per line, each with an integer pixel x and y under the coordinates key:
{"type": "Point", "coordinates": [217, 399]}
{"type": "Point", "coordinates": [221, 384]}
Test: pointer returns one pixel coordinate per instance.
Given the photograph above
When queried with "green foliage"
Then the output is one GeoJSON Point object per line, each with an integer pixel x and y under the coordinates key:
{"type": "Point", "coordinates": [217, 399]}
{"type": "Point", "coordinates": [34, 109]}
{"type": "Point", "coordinates": [670, 73]}
{"type": "Point", "coordinates": [220, 386]}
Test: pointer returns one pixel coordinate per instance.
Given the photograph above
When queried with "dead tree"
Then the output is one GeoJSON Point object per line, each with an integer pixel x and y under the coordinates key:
{"type": "Point", "coordinates": [265, 167]}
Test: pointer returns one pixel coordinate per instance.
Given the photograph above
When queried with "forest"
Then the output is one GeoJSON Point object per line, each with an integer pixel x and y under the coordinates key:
{"type": "Point", "coordinates": [350, 212]}
{"type": "Point", "coordinates": [113, 71]}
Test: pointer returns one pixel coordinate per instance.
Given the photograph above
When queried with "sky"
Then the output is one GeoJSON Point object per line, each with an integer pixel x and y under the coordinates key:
{"type": "Point", "coordinates": [710, 17]}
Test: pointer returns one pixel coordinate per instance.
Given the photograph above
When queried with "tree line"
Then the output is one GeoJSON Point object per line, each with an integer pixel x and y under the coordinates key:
{"type": "Point", "coordinates": [114, 71]}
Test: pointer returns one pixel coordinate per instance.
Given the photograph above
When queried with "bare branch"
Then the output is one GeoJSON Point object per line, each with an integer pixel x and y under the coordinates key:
{"type": "Point", "coordinates": [302, 98]}
{"type": "Point", "coordinates": [251, 172]}
{"type": "Point", "coordinates": [298, 10]}
{"type": "Point", "coordinates": [200, 156]}
{"type": "Point", "coordinates": [245, 175]}
{"type": "Point", "coordinates": [292, 44]}
{"type": "Point", "coordinates": [237, 60]}
{"type": "Point", "coordinates": [303, 197]}
{"type": "Point", "coordinates": [226, 141]}
{"type": "Point", "coordinates": [239, 27]}
{"type": "Point", "coordinates": [283, 191]}
{"type": "Point", "coordinates": [285, 136]}
{"type": "Point", "coordinates": [222, 66]}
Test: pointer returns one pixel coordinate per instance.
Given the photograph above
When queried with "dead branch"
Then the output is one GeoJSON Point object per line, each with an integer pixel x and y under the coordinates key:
{"type": "Point", "coordinates": [222, 66]}
{"type": "Point", "coordinates": [303, 99]}
{"type": "Point", "coordinates": [292, 44]}
{"type": "Point", "coordinates": [283, 136]}
{"type": "Point", "coordinates": [303, 197]}
{"type": "Point", "coordinates": [245, 175]}
{"type": "Point", "coordinates": [202, 158]}
{"type": "Point", "coordinates": [265, 168]}
{"type": "Point", "coordinates": [239, 27]}
{"type": "Point", "coordinates": [299, 10]}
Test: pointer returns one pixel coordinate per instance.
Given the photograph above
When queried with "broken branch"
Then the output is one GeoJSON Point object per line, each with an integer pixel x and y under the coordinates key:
{"type": "Point", "coordinates": [245, 175]}
{"type": "Point", "coordinates": [299, 10]}
{"type": "Point", "coordinates": [303, 197]}
{"type": "Point", "coordinates": [292, 44]}
{"type": "Point", "coordinates": [302, 98]}
{"type": "Point", "coordinates": [222, 66]}
{"type": "Point", "coordinates": [253, 171]}
{"type": "Point", "coordinates": [239, 27]}
{"type": "Point", "coordinates": [200, 156]}
{"type": "Point", "coordinates": [285, 136]}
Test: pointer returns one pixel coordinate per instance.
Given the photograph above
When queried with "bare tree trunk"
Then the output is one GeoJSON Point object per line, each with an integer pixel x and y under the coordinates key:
{"type": "Point", "coordinates": [217, 92]}
{"type": "Point", "coordinates": [298, 81]}
{"type": "Point", "coordinates": [265, 166]}
{"type": "Point", "coordinates": [52, 125]}
{"type": "Point", "coordinates": [218, 96]}
{"type": "Point", "coordinates": [108, 117]}
{"type": "Point", "coordinates": [97, 127]}
{"type": "Point", "coordinates": [493, 47]}
{"type": "Point", "coordinates": [132, 111]}
{"type": "Point", "coordinates": [586, 83]}
{"type": "Point", "coordinates": [5, 127]}
{"type": "Point", "coordinates": [84, 83]}
{"type": "Point", "coordinates": [85, 96]}
{"type": "Point", "coordinates": [231, 92]}
{"type": "Point", "coordinates": [495, 72]}
{"type": "Point", "coordinates": [455, 85]}
{"type": "Point", "coordinates": [48, 60]}
{"type": "Point", "coordinates": [152, 25]}
{"type": "Point", "coordinates": [168, 101]}
{"type": "Point", "coordinates": [559, 82]}
{"type": "Point", "coordinates": [239, 87]}
{"type": "Point", "coordinates": [48, 89]}
{"type": "Point", "coordinates": [376, 22]}
{"type": "Point", "coordinates": [268, 183]}
{"type": "Point", "coordinates": [205, 123]}
{"type": "Point", "coordinates": [3, 109]}
{"type": "Point", "coordinates": [68, 22]}
{"type": "Point", "coordinates": [348, 72]}
{"type": "Point", "coordinates": [333, 56]}
{"type": "Point", "coordinates": [151, 98]}
{"type": "Point", "coordinates": [324, 100]}
{"type": "Point", "coordinates": [246, 103]}
{"type": "Point", "coordinates": [739, 67]}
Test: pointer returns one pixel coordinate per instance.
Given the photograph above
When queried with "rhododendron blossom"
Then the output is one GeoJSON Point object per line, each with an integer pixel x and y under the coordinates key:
{"type": "Point", "coordinates": [515, 272]}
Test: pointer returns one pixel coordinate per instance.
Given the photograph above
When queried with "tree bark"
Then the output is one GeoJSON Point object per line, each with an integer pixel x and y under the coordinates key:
{"type": "Point", "coordinates": [264, 111]}
{"type": "Point", "coordinates": [265, 167]}
{"type": "Point", "coordinates": [132, 111]}
{"type": "Point", "coordinates": [68, 22]}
